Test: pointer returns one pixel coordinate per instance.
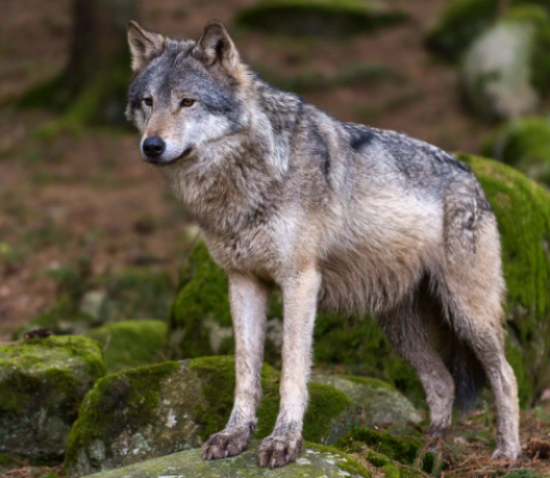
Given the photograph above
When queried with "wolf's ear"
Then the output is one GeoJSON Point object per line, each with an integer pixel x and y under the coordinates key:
{"type": "Point", "coordinates": [144, 45]}
{"type": "Point", "coordinates": [215, 46]}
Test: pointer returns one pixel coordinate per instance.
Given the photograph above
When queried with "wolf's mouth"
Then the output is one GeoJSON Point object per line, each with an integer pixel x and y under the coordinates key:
{"type": "Point", "coordinates": [185, 153]}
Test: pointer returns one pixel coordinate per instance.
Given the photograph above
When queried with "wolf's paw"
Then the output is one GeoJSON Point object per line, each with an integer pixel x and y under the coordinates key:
{"type": "Point", "coordinates": [226, 443]}
{"type": "Point", "coordinates": [278, 450]}
{"type": "Point", "coordinates": [507, 452]}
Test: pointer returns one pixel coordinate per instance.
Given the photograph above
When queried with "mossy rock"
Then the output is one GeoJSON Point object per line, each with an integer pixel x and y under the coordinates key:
{"type": "Point", "coordinates": [153, 411]}
{"type": "Point", "coordinates": [524, 144]}
{"type": "Point", "coordinates": [319, 18]}
{"type": "Point", "coordinates": [200, 325]}
{"type": "Point", "coordinates": [42, 383]}
{"type": "Point", "coordinates": [315, 462]}
{"type": "Point", "coordinates": [85, 302]}
{"type": "Point", "coordinates": [131, 343]}
{"type": "Point", "coordinates": [460, 23]}
{"type": "Point", "coordinates": [522, 208]}
{"type": "Point", "coordinates": [381, 404]}
{"type": "Point", "coordinates": [395, 456]}
{"type": "Point", "coordinates": [505, 73]}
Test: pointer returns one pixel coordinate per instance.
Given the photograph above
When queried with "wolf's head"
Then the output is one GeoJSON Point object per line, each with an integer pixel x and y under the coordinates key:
{"type": "Point", "coordinates": [185, 95]}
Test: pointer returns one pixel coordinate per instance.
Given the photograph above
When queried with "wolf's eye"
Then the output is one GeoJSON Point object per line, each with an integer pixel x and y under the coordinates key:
{"type": "Point", "coordinates": [148, 101]}
{"type": "Point", "coordinates": [186, 102]}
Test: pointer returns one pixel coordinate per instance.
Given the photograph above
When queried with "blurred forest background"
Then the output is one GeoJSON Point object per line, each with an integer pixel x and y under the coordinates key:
{"type": "Point", "coordinates": [75, 198]}
{"type": "Point", "coordinates": [91, 237]}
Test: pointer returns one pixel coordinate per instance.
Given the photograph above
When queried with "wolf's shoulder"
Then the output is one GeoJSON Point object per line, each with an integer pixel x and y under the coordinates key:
{"type": "Point", "coordinates": [409, 154]}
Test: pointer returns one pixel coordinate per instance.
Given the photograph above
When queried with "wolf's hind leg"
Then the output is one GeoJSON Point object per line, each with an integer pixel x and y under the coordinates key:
{"type": "Point", "coordinates": [476, 318]}
{"type": "Point", "coordinates": [407, 329]}
{"type": "Point", "coordinates": [472, 289]}
{"type": "Point", "coordinates": [249, 300]}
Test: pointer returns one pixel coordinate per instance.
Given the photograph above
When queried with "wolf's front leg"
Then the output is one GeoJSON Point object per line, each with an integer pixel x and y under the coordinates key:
{"type": "Point", "coordinates": [249, 299]}
{"type": "Point", "coordinates": [300, 304]}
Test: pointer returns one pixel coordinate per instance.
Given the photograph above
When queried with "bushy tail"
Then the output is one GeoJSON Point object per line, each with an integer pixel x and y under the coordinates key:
{"type": "Point", "coordinates": [467, 372]}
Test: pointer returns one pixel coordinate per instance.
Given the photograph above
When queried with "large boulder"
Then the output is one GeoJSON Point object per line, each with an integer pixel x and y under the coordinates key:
{"type": "Point", "coordinates": [153, 411]}
{"type": "Point", "coordinates": [42, 383]}
{"type": "Point", "coordinates": [200, 325]}
{"type": "Point", "coordinates": [522, 208]}
{"type": "Point", "coordinates": [381, 404]}
{"type": "Point", "coordinates": [459, 24]}
{"type": "Point", "coordinates": [505, 73]}
{"type": "Point", "coordinates": [131, 343]}
{"type": "Point", "coordinates": [320, 18]}
{"type": "Point", "coordinates": [524, 144]}
{"type": "Point", "coordinates": [316, 462]}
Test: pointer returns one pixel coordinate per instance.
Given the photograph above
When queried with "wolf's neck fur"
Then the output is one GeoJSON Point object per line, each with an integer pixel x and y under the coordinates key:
{"type": "Point", "coordinates": [233, 184]}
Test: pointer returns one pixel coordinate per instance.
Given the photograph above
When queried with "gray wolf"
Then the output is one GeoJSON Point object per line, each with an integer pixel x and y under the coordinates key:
{"type": "Point", "coordinates": [334, 214]}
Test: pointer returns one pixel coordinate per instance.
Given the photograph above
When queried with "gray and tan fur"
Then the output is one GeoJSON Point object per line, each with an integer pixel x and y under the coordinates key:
{"type": "Point", "coordinates": [336, 215]}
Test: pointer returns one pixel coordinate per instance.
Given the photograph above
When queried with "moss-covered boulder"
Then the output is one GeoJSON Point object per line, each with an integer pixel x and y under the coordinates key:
{"type": "Point", "coordinates": [316, 462]}
{"type": "Point", "coordinates": [460, 23]}
{"type": "Point", "coordinates": [131, 343]}
{"type": "Point", "coordinates": [380, 403]}
{"type": "Point", "coordinates": [319, 18]}
{"type": "Point", "coordinates": [522, 208]}
{"type": "Point", "coordinates": [42, 383]}
{"type": "Point", "coordinates": [153, 411]}
{"type": "Point", "coordinates": [200, 325]}
{"type": "Point", "coordinates": [524, 144]}
{"type": "Point", "coordinates": [505, 73]}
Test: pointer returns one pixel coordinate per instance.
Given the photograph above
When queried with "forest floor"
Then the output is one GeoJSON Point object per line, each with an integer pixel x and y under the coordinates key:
{"type": "Point", "coordinates": [91, 195]}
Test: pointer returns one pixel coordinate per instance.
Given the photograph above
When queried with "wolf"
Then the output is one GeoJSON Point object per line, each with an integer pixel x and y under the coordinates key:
{"type": "Point", "coordinates": [336, 215]}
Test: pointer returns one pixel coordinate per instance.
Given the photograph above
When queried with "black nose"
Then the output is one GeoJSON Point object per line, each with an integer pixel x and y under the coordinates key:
{"type": "Point", "coordinates": [153, 147]}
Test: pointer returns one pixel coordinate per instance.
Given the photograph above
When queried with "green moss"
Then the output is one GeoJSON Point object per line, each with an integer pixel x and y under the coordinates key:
{"type": "Point", "coordinates": [131, 343]}
{"type": "Point", "coordinates": [218, 373]}
{"type": "Point", "coordinates": [461, 22]}
{"type": "Point", "coordinates": [202, 296]}
{"type": "Point", "coordinates": [100, 100]}
{"type": "Point", "coordinates": [51, 353]}
{"type": "Point", "coordinates": [136, 294]}
{"type": "Point", "coordinates": [401, 449]}
{"type": "Point", "coordinates": [9, 462]}
{"type": "Point", "coordinates": [524, 144]}
{"type": "Point", "coordinates": [351, 465]}
{"type": "Point", "coordinates": [324, 18]}
{"type": "Point", "coordinates": [370, 382]}
{"type": "Point", "coordinates": [360, 345]}
{"type": "Point", "coordinates": [539, 19]}
{"type": "Point", "coordinates": [325, 403]}
{"type": "Point", "coordinates": [136, 392]}
{"type": "Point", "coordinates": [42, 383]}
{"type": "Point", "coordinates": [522, 208]}
{"type": "Point", "coordinates": [129, 294]}
{"type": "Point", "coordinates": [389, 452]}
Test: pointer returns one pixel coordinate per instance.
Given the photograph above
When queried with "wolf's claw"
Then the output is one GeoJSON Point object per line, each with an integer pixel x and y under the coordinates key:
{"type": "Point", "coordinates": [226, 443]}
{"type": "Point", "coordinates": [279, 451]}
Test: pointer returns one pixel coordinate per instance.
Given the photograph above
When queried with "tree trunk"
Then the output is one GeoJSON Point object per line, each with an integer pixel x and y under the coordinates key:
{"type": "Point", "coordinates": [93, 86]}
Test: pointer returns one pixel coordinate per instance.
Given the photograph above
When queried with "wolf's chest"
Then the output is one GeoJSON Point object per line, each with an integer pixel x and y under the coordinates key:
{"type": "Point", "coordinates": [249, 251]}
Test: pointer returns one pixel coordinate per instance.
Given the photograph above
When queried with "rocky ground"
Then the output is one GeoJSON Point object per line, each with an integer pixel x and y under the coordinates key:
{"type": "Point", "coordinates": [94, 250]}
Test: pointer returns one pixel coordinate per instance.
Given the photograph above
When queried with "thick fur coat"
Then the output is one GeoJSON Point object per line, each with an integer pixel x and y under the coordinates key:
{"type": "Point", "coordinates": [337, 215]}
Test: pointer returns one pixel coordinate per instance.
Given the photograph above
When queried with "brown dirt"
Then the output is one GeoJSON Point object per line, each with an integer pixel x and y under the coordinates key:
{"type": "Point", "coordinates": [83, 196]}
